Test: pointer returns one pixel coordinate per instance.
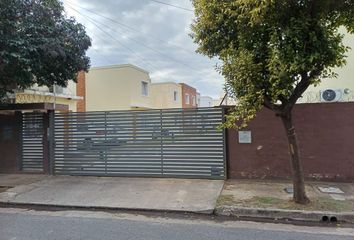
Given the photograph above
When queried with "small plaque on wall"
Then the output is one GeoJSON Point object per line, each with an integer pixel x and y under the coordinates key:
{"type": "Point", "coordinates": [244, 137]}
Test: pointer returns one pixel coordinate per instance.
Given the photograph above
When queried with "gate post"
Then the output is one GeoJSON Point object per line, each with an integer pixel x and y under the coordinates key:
{"type": "Point", "coordinates": [161, 144]}
{"type": "Point", "coordinates": [19, 129]}
{"type": "Point", "coordinates": [51, 137]}
{"type": "Point", "coordinates": [45, 142]}
{"type": "Point", "coordinates": [225, 142]}
{"type": "Point", "coordinates": [105, 151]}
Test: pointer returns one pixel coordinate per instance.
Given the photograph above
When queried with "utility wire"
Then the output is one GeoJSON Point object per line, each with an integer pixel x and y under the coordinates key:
{"type": "Point", "coordinates": [114, 38]}
{"type": "Point", "coordinates": [171, 5]}
{"type": "Point", "coordinates": [107, 60]}
{"type": "Point", "coordinates": [128, 27]}
{"type": "Point", "coordinates": [134, 40]}
{"type": "Point", "coordinates": [152, 67]}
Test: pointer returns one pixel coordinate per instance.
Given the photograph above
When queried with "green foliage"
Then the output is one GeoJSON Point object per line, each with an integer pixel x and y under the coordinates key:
{"type": "Point", "coordinates": [271, 50]}
{"type": "Point", "coordinates": [39, 44]}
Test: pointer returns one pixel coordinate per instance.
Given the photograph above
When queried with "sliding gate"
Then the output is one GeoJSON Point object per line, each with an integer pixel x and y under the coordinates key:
{"type": "Point", "coordinates": [160, 143]}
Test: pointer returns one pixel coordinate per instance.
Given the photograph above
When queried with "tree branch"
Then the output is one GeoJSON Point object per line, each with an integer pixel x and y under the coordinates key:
{"type": "Point", "coordinates": [268, 104]}
{"type": "Point", "coordinates": [300, 88]}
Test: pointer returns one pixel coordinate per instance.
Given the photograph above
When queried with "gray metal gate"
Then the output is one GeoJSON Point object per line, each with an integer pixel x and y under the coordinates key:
{"type": "Point", "coordinates": [32, 142]}
{"type": "Point", "coordinates": [161, 143]}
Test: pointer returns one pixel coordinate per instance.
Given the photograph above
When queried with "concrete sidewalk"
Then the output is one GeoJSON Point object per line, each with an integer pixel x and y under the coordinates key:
{"type": "Point", "coordinates": [13, 180]}
{"type": "Point", "coordinates": [190, 195]}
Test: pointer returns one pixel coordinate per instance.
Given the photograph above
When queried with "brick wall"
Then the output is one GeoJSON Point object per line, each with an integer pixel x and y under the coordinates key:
{"type": "Point", "coordinates": [81, 91]}
{"type": "Point", "coordinates": [325, 133]}
{"type": "Point", "coordinates": [192, 92]}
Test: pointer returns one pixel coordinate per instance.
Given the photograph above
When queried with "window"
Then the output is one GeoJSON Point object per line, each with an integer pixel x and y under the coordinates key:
{"type": "Point", "coordinates": [144, 88]}
{"type": "Point", "coordinates": [193, 101]}
{"type": "Point", "coordinates": [175, 96]}
{"type": "Point", "coordinates": [187, 98]}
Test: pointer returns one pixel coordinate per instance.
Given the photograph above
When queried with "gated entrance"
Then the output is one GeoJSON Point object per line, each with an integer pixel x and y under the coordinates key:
{"type": "Point", "coordinates": [32, 142]}
{"type": "Point", "coordinates": [160, 143]}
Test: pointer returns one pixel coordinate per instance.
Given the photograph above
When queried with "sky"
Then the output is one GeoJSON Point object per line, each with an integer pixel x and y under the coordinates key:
{"type": "Point", "coordinates": [150, 35]}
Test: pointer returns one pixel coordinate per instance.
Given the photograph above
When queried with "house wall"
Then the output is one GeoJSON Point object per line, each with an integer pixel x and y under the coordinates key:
{"type": "Point", "coordinates": [137, 99]}
{"type": "Point", "coordinates": [186, 89]}
{"type": "Point", "coordinates": [116, 88]}
{"type": "Point", "coordinates": [325, 133]}
{"type": "Point", "coordinates": [345, 76]}
{"type": "Point", "coordinates": [163, 95]}
{"type": "Point", "coordinates": [206, 101]}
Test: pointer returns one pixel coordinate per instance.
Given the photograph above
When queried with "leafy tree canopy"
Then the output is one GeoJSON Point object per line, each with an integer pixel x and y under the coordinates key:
{"type": "Point", "coordinates": [39, 44]}
{"type": "Point", "coordinates": [272, 50]}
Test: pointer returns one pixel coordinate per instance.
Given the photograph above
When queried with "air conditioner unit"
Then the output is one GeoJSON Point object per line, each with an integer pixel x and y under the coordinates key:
{"type": "Point", "coordinates": [332, 95]}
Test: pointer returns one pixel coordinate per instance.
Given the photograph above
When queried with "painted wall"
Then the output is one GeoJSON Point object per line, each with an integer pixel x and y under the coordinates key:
{"type": "Point", "coordinates": [345, 77]}
{"type": "Point", "coordinates": [116, 88]}
{"type": "Point", "coordinates": [163, 95]}
{"type": "Point", "coordinates": [206, 101]}
{"type": "Point", "coordinates": [325, 133]}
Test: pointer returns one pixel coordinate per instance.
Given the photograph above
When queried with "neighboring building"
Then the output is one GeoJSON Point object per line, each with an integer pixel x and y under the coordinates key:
{"type": "Point", "coordinates": [198, 99]}
{"type": "Point", "coordinates": [224, 100]}
{"type": "Point", "coordinates": [166, 95]}
{"type": "Point", "coordinates": [340, 89]}
{"type": "Point", "coordinates": [128, 87]}
{"type": "Point", "coordinates": [189, 96]}
{"type": "Point", "coordinates": [117, 87]}
{"type": "Point", "coordinates": [206, 101]}
{"type": "Point", "coordinates": [58, 95]}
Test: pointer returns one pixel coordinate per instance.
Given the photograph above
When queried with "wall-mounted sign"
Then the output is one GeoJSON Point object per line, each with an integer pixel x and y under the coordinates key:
{"type": "Point", "coordinates": [244, 137]}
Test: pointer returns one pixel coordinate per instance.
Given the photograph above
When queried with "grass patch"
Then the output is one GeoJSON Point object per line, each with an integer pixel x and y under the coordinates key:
{"type": "Point", "coordinates": [268, 200]}
{"type": "Point", "coordinates": [225, 200]}
{"type": "Point", "coordinates": [316, 204]}
{"type": "Point", "coordinates": [327, 204]}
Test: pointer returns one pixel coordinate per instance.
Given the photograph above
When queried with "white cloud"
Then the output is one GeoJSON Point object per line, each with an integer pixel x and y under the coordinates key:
{"type": "Point", "coordinates": [149, 35]}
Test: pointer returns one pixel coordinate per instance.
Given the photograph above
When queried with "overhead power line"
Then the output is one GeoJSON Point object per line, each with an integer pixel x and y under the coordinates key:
{"type": "Point", "coordinates": [129, 27]}
{"type": "Point", "coordinates": [172, 5]}
{"type": "Point", "coordinates": [137, 55]}
{"type": "Point", "coordinates": [93, 21]}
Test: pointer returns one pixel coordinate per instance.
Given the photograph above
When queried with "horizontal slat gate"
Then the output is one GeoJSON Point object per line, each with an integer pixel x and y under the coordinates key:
{"type": "Point", "coordinates": [161, 143]}
{"type": "Point", "coordinates": [32, 142]}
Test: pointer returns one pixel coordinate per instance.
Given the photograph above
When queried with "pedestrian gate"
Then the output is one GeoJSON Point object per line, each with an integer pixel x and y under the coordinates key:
{"type": "Point", "coordinates": [32, 142]}
{"type": "Point", "coordinates": [160, 143]}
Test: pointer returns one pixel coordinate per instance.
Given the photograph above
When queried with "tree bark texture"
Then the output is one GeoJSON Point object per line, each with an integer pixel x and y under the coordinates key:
{"type": "Point", "coordinates": [296, 166]}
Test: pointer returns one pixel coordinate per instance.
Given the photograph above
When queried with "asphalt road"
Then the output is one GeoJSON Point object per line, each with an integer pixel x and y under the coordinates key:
{"type": "Point", "coordinates": [31, 225]}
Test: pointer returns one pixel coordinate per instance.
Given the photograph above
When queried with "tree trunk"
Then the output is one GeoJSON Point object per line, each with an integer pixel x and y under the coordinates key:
{"type": "Point", "coordinates": [296, 166]}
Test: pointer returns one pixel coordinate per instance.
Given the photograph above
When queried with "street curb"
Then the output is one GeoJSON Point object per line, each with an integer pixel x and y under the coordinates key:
{"type": "Point", "coordinates": [241, 213]}
{"type": "Point", "coordinates": [58, 206]}
{"type": "Point", "coordinates": [282, 214]}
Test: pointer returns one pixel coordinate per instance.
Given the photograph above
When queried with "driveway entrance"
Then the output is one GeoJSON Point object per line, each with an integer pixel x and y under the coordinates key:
{"type": "Point", "coordinates": [157, 143]}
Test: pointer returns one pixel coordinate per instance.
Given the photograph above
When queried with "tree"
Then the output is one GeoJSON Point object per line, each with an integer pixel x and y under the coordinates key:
{"type": "Point", "coordinates": [39, 45]}
{"type": "Point", "coordinates": [271, 51]}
